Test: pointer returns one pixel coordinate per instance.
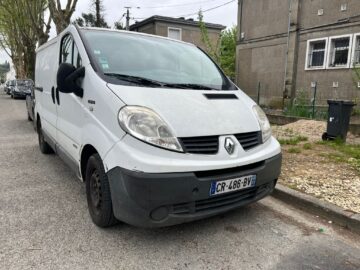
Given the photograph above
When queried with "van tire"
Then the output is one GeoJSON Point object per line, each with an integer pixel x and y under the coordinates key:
{"type": "Point", "coordinates": [98, 193]}
{"type": "Point", "coordinates": [43, 145]}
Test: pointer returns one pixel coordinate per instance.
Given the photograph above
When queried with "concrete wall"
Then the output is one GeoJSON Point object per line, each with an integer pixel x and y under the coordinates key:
{"type": "Point", "coordinates": [262, 52]}
{"type": "Point", "coordinates": [189, 33]}
{"type": "Point", "coordinates": [262, 18]}
{"type": "Point", "coordinates": [265, 64]}
{"type": "Point", "coordinates": [148, 29]}
{"type": "Point", "coordinates": [309, 11]}
{"type": "Point", "coordinates": [345, 77]}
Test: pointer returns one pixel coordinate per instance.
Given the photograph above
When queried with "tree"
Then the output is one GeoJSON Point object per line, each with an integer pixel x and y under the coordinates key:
{"type": "Point", "coordinates": [223, 52]}
{"type": "Point", "coordinates": [211, 49]}
{"type": "Point", "coordinates": [228, 51]}
{"type": "Point", "coordinates": [119, 26]}
{"type": "Point", "coordinates": [61, 17]}
{"type": "Point", "coordinates": [22, 27]}
{"type": "Point", "coordinates": [95, 18]}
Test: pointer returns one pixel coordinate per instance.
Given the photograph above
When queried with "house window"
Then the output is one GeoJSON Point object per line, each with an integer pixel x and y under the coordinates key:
{"type": "Point", "coordinates": [339, 51]}
{"type": "Point", "coordinates": [316, 53]}
{"type": "Point", "coordinates": [356, 53]}
{"type": "Point", "coordinates": [174, 33]}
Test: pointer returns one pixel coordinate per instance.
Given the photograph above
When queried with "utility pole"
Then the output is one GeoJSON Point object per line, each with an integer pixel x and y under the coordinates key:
{"type": "Point", "coordinates": [127, 18]}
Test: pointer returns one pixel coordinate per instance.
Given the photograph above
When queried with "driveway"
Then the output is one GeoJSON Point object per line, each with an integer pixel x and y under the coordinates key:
{"type": "Point", "coordinates": [44, 223]}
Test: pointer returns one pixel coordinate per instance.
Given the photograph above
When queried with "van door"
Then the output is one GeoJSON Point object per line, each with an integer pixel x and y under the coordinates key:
{"type": "Point", "coordinates": [45, 81]}
{"type": "Point", "coordinates": [70, 109]}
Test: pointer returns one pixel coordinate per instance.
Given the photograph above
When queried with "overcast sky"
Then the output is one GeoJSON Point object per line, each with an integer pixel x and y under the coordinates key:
{"type": "Point", "coordinates": [114, 10]}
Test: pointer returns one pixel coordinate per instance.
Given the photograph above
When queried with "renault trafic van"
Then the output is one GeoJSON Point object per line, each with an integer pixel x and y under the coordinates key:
{"type": "Point", "coordinates": [154, 128]}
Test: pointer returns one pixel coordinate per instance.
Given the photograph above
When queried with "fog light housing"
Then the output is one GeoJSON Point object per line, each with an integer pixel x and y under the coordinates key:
{"type": "Point", "coordinates": [159, 213]}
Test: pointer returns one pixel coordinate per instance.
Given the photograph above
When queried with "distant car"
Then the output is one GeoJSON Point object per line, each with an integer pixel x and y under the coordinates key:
{"type": "Point", "coordinates": [6, 86]}
{"type": "Point", "coordinates": [22, 88]}
{"type": "Point", "coordinates": [30, 105]}
{"type": "Point", "coordinates": [9, 85]}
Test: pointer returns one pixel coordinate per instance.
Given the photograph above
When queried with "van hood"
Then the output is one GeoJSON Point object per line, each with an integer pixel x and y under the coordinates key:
{"type": "Point", "coordinates": [190, 113]}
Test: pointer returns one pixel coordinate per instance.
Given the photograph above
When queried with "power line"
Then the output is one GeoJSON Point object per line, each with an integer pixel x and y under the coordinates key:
{"type": "Point", "coordinates": [209, 9]}
{"type": "Point", "coordinates": [180, 5]}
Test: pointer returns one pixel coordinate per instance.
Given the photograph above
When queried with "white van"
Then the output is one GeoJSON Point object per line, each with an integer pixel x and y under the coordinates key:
{"type": "Point", "coordinates": [153, 127]}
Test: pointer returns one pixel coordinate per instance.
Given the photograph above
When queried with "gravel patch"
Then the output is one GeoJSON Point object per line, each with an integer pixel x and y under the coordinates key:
{"type": "Point", "coordinates": [311, 170]}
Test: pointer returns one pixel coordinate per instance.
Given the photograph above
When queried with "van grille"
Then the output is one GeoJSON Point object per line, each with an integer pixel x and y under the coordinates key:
{"type": "Point", "coordinates": [208, 145]}
{"type": "Point", "coordinates": [220, 201]}
{"type": "Point", "coordinates": [249, 140]}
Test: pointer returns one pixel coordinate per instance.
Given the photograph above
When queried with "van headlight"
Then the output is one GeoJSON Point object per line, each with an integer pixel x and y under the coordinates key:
{"type": "Point", "coordinates": [263, 122]}
{"type": "Point", "coordinates": [148, 126]}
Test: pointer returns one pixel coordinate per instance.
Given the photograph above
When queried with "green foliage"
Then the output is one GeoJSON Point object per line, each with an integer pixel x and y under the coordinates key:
{"type": "Point", "coordinates": [211, 49]}
{"type": "Point", "coordinates": [307, 146]}
{"type": "Point", "coordinates": [89, 20]}
{"type": "Point", "coordinates": [294, 150]}
{"type": "Point", "coordinates": [302, 107]}
{"type": "Point", "coordinates": [223, 52]}
{"type": "Point", "coordinates": [228, 51]}
{"type": "Point", "coordinates": [346, 153]}
{"type": "Point", "coordinates": [293, 141]}
{"type": "Point", "coordinates": [95, 18]}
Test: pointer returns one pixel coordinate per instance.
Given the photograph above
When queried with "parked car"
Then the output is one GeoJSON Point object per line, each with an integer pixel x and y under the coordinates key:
{"type": "Point", "coordinates": [10, 85]}
{"type": "Point", "coordinates": [30, 105]}
{"type": "Point", "coordinates": [22, 88]}
{"type": "Point", "coordinates": [153, 127]}
{"type": "Point", "coordinates": [6, 86]}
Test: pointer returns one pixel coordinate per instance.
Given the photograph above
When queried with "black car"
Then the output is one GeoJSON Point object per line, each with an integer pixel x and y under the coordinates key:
{"type": "Point", "coordinates": [22, 88]}
{"type": "Point", "coordinates": [30, 105]}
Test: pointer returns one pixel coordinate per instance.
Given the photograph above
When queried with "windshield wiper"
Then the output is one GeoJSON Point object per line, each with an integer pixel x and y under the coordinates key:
{"type": "Point", "coordinates": [135, 79]}
{"type": "Point", "coordinates": [146, 81]}
{"type": "Point", "coordinates": [191, 86]}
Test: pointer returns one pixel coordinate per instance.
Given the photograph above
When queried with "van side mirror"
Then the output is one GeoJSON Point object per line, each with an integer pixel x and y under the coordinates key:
{"type": "Point", "coordinates": [67, 77]}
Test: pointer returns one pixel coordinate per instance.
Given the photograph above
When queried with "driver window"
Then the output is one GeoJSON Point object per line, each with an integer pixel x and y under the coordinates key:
{"type": "Point", "coordinates": [66, 49]}
{"type": "Point", "coordinates": [77, 62]}
{"type": "Point", "coordinates": [69, 52]}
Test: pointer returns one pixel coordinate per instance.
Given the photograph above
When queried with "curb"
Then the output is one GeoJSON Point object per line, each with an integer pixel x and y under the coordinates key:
{"type": "Point", "coordinates": [313, 205]}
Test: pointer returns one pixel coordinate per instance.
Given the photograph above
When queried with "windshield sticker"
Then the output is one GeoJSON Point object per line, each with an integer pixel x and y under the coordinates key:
{"type": "Point", "coordinates": [104, 62]}
{"type": "Point", "coordinates": [97, 52]}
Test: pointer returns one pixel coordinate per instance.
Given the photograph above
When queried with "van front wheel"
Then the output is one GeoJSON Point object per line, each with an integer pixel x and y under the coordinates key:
{"type": "Point", "coordinates": [98, 193]}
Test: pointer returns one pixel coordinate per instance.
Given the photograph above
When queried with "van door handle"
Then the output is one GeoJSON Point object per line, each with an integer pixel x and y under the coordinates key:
{"type": "Point", "coordinates": [53, 94]}
{"type": "Point", "coordinates": [57, 96]}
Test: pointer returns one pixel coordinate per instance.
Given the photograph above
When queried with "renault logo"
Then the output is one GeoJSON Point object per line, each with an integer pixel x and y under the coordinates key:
{"type": "Point", "coordinates": [229, 145]}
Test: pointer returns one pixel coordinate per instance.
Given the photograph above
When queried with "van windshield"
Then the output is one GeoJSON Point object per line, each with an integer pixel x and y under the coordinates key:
{"type": "Point", "coordinates": [151, 61]}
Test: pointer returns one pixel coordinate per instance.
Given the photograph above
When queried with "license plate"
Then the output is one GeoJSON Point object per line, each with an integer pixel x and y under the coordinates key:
{"type": "Point", "coordinates": [220, 187]}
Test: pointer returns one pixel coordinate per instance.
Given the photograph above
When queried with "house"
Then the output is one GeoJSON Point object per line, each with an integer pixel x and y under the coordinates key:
{"type": "Point", "coordinates": [288, 46]}
{"type": "Point", "coordinates": [187, 30]}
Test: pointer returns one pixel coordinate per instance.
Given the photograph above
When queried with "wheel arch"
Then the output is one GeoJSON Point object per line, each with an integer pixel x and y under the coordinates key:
{"type": "Point", "coordinates": [87, 151]}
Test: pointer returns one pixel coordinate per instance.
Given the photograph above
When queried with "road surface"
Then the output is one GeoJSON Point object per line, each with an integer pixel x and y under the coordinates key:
{"type": "Point", "coordinates": [44, 223]}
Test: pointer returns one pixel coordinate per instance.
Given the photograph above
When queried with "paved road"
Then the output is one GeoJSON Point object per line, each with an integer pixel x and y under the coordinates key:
{"type": "Point", "coordinates": [44, 224]}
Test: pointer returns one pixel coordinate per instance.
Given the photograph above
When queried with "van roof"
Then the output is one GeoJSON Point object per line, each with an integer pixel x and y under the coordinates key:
{"type": "Point", "coordinates": [72, 26]}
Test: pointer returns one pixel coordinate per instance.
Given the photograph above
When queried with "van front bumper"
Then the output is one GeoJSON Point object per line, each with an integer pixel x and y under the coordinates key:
{"type": "Point", "coordinates": [165, 199]}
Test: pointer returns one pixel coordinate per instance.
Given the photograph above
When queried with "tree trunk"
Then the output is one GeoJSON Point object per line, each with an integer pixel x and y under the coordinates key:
{"type": "Point", "coordinates": [61, 17]}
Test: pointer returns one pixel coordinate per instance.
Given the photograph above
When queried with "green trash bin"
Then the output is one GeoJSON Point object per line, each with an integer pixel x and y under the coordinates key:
{"type": "Point", "coordinates": [338, 119]}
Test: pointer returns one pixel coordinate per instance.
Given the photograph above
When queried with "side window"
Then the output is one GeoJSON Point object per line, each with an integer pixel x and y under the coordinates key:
{"type": "Point", "coordinates": [66, 49]}
{"type": "Point", "coordinates": [69, 52]}
{"type": "Point", "coordinates": [77, 62]}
